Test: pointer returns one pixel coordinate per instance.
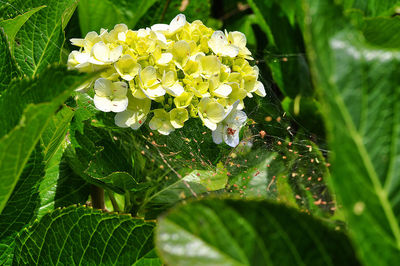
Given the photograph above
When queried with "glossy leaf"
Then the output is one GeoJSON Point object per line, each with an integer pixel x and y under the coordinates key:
{"type": "Point", "coordinates": [39, 41]}
{"type": "Point", "coordinates": [233, 232]}
{"type": "Point", "coordinates": [26, 108]}
{"type": "Point", "coordinates": [11, 26]}
{"type": "Point", "coordinates": [360, 89]}
{"type": "Point", "coordinates": [79, 235]}
{"type": "Point", "coordinates": [8, 65]}
{"type": "Point", "coordinates": [22, 205]}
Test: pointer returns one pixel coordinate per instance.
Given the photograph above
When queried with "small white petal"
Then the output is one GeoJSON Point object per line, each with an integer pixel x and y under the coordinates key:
{"type": "Point", "coordinates": [115, 53]}
{"type": "Point", "coordinates": [154, 93]}
{"type": "Point", "coordinates": [165, 59]}
{"type": "Point", "coordinates": [122, 118]}
{"type": "Point", "coordinates": [260, 90]}
{"type": "Point", "coordinates": [122, 36]}
{"type": "Point", "coordinates": [102, 103]}
{"type": "Point", "coordinates": [78, 42]}
{"type": "Point", "coordinates": [101, 51]}
{"type": "Point", "coordinates": [175, 90]}
{"type": "Point", "coordinates": [217, 134]}
{"type": "Point", "coordinates": [119, 89]}
{"type": "Point", "coordinates": [160, 27]}
{"type": "Point", "coordinates": [102, 87]}
{"type": "Point", "coordinates": [230, 50]}
{"type": "Point", "coordinates": [232, 140]}
{"type": "Point", "coordinates": [212, 126]}
{"type": "Point", "coordinates": [82, 57]}
{"type": "Point", "coordinates": [119, 105]}
{"type": "Point", "coordinates": [223, 90]}
{"type": "Point", "coordinates": [178, 22]}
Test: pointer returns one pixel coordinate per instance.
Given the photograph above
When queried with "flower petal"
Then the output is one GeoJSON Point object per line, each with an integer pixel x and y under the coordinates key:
{"type": "Point", "coordinates": [175, 90]}
{"type": "Point", "coordinates": [102, 103]}
{"type": "Point", "coordinates": [223, 90]}
{"type": "Point", "coordinates": [103, 87]}
{"type": "Point", "coordinates": [178, 22]}
{"type": "Point", "coordinates": [217, 134]}
{"type": "Point", "coordinates": [119, 105]}
{"type": "Point", "coordinates": [260, 90]}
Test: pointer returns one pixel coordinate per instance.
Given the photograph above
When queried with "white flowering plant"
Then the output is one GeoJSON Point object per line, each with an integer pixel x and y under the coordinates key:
{"type": "Point", "coordinates": [171, 72]}
{"type": "Point", "coordinates": [201, 132]}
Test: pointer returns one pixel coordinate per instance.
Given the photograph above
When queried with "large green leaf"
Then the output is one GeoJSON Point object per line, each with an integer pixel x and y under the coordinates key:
{"type": "Point", "coordinates": [22, 205]}
{"type": "Point", "coordinates": [11, 26]}
{"type": "Point", "coordinates": [83, 236]}
{"type": "Point", "coordinates": [8, 69]}
{"type": "Point", "coordinates": [383, 31]}
{"type": "Point", "coordinates": [360, 88]}
{"type": "Point", "coordinates": [26, 108]}
{"type": "Point", "coordinates": [233, 232]}
{"type": "Point", "coordinates": [193, 184]}
{"type": "Point", "coordinates": [39, 41]}
{"type": "Point", "coordinates": [97, 14]}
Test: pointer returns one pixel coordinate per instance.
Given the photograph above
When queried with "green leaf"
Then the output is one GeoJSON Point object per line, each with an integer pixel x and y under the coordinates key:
{"type": "Point", "coordinates": [360, 88]}
{"type": "Point", "coordinates": [8, 69]}
{"type": "Point", "coordinates": [27, 108]}
{"type": "Point", "coordinates": [22, 205]}
{"type": "Point", "coordinates": [286, 51]}
{"type": "Point", "coordinates": [56, 132]}
{"type": "Point", "coordinates": [253, 175]}
{"type": "Point", "coordinates": [99, 157]}
{"type": "Point", "coordinates": [233, 232]}
{"type": "Point", "coordinates": [79, 235]}
{"type": "Point", "coordinates": [60, 186]}
{"type": "Point", "coordinates": [179, 188]}
{"type": "Point", "coordinates": [97, 14]}
{"type": "Point", "coordinates": [382, 32]}
{"type": "Point", "coordinates": [373, 8]}
{"type": "Point", "coordinates": [164, 11]}
{"type": "Point", "coordinates": [12, 26]}
{"type": "Point", "coordinates": [39, 41]}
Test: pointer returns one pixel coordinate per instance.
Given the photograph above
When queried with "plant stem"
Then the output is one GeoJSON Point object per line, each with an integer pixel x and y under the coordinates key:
{"type": "Point", "coordinates": [97, 195]}
{"type": "Point", "coordinates": [113, 201]}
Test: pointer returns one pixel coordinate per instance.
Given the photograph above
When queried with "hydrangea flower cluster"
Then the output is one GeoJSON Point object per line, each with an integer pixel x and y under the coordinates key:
{"type": "Point", "coordinates": [181, 70]}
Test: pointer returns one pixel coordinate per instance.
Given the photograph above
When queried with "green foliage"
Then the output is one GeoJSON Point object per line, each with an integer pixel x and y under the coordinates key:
{"type": "Point", "coordinates": [93, 237]}
{"type": "Point", "coordinates": [13, 25]}
{"type": "Point", "coordinates": [235, 232]}
{"type": "Point", "coordinates": [332, 63]}
{"type": "Point", "coordinates": [382, 31]}
{"type": "Point", "coordinates": [360, 89]}
{"type": "Point", "coordinates": [8, 69]}
{"type": "Point", "coordinates": [97, 14]}
{"type": "Point", "coordinates": [39, 41]}
{"type": "Point", "coordinates": [28, 106]}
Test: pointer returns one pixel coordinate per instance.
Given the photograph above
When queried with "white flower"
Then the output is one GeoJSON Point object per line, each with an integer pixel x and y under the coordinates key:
{"type": "Point", "coordinates": [210, 112]}
{"type": "Point", "coordinates": [150, 83]}
{"type": "Point", "coordinates": [101, 54]}
{"type": "Point", "coordinates": [135, 114]}
{"type": "Point", "coordinates": [78, 60]}
{"type": "Point", "coordinates": [110, 96]}
{"type": "Point", "coordinates": [177, 23]}
{"type": "Point", "coordinates": [228, 129]}
{"type": "Point", "coordinates": [220, 45]}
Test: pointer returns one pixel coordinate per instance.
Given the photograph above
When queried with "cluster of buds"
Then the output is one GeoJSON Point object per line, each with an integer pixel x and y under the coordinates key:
{"type": "Point", "coordinates": [175, 72]}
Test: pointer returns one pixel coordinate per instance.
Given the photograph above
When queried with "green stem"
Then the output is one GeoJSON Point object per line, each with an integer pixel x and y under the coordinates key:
{"type": "Point", "coordinates": [113, 201]}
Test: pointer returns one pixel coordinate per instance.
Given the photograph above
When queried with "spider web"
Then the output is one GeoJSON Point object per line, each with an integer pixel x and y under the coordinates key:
{"type": "Point", "coordinates": [278, 156]}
